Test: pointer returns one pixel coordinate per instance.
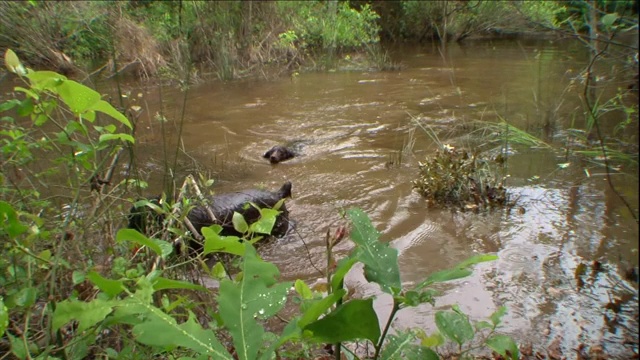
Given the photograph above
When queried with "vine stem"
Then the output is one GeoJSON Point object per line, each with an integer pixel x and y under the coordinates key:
{"type": "Point", "coordinates": [394, 310]}
{"type": "Point", "coordinates": [596, 123]}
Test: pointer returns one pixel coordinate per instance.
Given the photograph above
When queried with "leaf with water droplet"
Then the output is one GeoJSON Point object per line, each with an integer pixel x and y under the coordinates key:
{"type": "Point", "coordinates": [403, 346]}
{"type": "Point", "coordinates": [256, 293]}
{"type": "Point", "coordinates": [380, 261]}
{"type": "Point", "coordinates": [79, 98]}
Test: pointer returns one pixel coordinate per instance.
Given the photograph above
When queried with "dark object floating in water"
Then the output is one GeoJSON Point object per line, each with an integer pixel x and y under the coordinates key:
{"type": "Point", "coordinates": [143, 219]}
{"type": "Point", "coordinates": [278, 154]}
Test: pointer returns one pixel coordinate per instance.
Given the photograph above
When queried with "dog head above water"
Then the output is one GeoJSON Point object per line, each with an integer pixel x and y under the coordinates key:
{"type": "Point", "coordinates": [278, 154]}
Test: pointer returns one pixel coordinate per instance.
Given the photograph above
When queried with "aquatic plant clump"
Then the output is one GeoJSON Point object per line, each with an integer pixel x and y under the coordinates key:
{"type": "Point", "coordinates": [460, 178]}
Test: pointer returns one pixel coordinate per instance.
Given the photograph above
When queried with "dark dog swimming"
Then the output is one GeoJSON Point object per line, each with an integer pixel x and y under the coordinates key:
{"type": "Point", "coordinates": [222, 206]}
{"type": "Point", "coordinates": [278, 154]}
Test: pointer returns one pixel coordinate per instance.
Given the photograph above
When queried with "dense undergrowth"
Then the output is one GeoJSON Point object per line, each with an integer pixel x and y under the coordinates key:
{"type": "Point", "coordinates": [75, 285]}
{"type": "Point", "coordinates": [190, 40]}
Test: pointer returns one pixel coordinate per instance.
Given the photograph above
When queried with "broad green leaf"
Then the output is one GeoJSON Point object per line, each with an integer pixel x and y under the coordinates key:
{"type": "Point", "coordinates": [290, 332]}
{"type": "Point", "coordinates": [109, 129]}
{"type": "Point", "coordinates": [380, 261]}
{"type": "Point", "coordinates": [4, 317]}
{"type": "Point", "coordinates": [10, 222]}
{"type": "Point", "coordinates": [9, 104]}
{"type": "Point", "coordinates": [454, 326]}
{"type": "Point", "coordinates": [77, 277]}
{"type": "Point", "coordinates": [105, 107]}
{"type": "Point", "coordinates": [496, 317]}
{"type": "Point", "coordinates": [428, 354]}
{"type": "Point", "coordinates": [213, 242]}
{"type": "Point", "coordinates": [86, 313]}
{"type": "Point", "coordinates": [18, 347]}
{"type": "Point", "coordinates": [45, 80]}
{"type": "Point", "coordinates": [164, 283]}
{"type": "Point", "coordinates": [503, 344]}
{"type": "Point", "coordinates": [352, 320]}
{"type": "Point", "coordinates": [609, 19]}
{"type": "Point", "coordinates": [26, 107]}
{"type": "Point", "coordinates": [476, 259]}
{"type": "Point", "coordinates": [239, 223]}
{"type": "Point", "coordinates": [137, 238]}
{"type": "Point", "coordinates": [279, 204]}
{"type": "Point", "coordinates": [135, 308]}
{"type": "Point", "coordinates": [88, 115]}
{"type": "Point", "coordinates": [344, 265]}
{"type": "Point", "coordinates": [265, 224]}
{"type": "Point", "coordinates": [483, 325]}
{"type": "Point", "coordinates": [79, 98]}
{"type": "Point", "coordinates": [13, 64]}
{"type": "Point", "coordinates": [303, 290]}
{"type": "Point", "coordinates": [45, 255]}
{"type": "Point", "coordinates": [256, 295]}
{"type": "Point", "coordinates": [218, 271]}
{"type": "Point", "coordinates": [28, 92]}
{"type": "Point", "coordinates": [403, 346]}
{"type": "Point", "coordinates": [459, 271]}
{"type": "Point", "coordinates": [444, 275]}
{"type": "Point", "coordinates": [25, 297]}
{"type": "Point", "coordinates": [313, 312]}
{"type": "Point", "coordinates": [161, 330]}
{"type": "Point", "coordinates": [108, 286]}
{"type": "Point", "coordinates": [40, 119]}
{"type": "Point", "coordinates": [433, 340]}
{"type": "Point", "coordinates": [166, 248]}
{"type": "Point", "coordinates": [415, 298]}
{"type": "Point", "coordinates": [76, 350]}
{"type": "Point", "coordinates": [123, 137]}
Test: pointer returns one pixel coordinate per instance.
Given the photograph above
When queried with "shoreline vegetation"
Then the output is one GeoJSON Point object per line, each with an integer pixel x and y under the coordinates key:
{"type": "Point", "coordinates": [192, 41]}
{"type": "Point", "coordinates": [75, 285]}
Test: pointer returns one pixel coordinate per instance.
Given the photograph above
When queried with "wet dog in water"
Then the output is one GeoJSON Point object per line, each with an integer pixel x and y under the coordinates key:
{"type": "Point", "coordinates": [278, 154]}
{"type": "Point", "coordinates": [142, 218]}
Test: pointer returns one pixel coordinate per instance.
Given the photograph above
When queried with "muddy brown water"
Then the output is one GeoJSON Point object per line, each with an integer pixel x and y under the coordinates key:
{"type": "Point", "coordinates": [350, 125]}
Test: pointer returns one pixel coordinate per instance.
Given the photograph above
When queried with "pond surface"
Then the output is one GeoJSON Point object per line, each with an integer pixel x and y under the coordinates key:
{"type": "Point", "coordinates": [352, 128]}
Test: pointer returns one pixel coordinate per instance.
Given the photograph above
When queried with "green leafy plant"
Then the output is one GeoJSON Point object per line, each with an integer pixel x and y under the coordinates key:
{"type": "Point", "coordinates": [355, 319]}
{"type": "Point", "coordinates": [144, 308]}
{"type": "Point", "coordinates": [461, 178]}
{"type": "Point", "coordinates": [455, 327]}
{"type": "Point", "coordinates": [64, 136]}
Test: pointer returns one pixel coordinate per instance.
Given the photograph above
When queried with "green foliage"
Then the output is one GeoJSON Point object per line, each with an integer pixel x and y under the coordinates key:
{"type": "Point", "coordinates": [243, 304]}
{"type": "Point", "coordinates": [451, 20]}
{"type": "Point", "coordinates": [137, 300]}
{"type": "Point", "coordinates": [542, 14]}
{"type": "Point", "coordinates": [255, 296]}
{"type": "Point", "coordinates": [380, 261]}
{"type": "Point", "coordinates": [78, 146]}
{"type": "Point", "coordinates": [460, 178]}
{"type": "Point", "coordinates": [576, 14]}
{"type": "Point", "coordinates": [319, 26]}
{"type": "Point", "coordinates": [46, 32]}
{"type": "Point", "coordinates": [456, 326]}
{"type": "Point", "coordinates": [353, 320]}
{"type": "Point", "coordinates": [403, 346]}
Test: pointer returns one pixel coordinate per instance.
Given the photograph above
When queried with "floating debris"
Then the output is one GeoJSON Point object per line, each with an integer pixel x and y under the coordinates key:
{"type": "Point", "coordinates": [460, 178]}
